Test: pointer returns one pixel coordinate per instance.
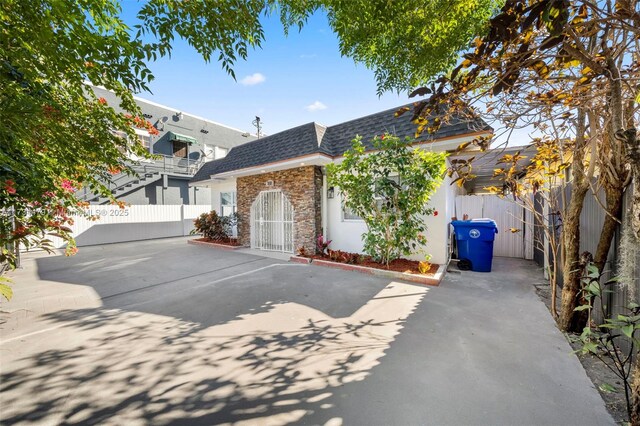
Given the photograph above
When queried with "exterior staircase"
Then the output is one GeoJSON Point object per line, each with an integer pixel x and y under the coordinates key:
{"type": "Point", "coordinates": [122, 184]}
{"type": "Point", "coordinates": [145, 173]}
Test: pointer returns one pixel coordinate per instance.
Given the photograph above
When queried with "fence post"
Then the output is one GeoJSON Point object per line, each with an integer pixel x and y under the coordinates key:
{"type": "Point", "coordinates": [16, 244]}
{"type": "Point", "coordinates": [184, 234]}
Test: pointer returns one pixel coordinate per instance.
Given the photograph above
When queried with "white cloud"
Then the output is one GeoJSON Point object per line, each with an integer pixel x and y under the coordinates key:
{"type": "Point", "coordinates": [253, 79]}
{"type": "Point", "coordinates": [316, 106]}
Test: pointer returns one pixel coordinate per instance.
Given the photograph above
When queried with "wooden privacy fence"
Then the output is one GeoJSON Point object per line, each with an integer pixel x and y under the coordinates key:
{"type": "Point", "coordinates": [515, 222]}
{"type": "Point", "coordinates": [133, 223]}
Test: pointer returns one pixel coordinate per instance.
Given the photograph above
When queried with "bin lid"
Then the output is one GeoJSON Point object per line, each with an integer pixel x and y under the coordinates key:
{"type": "Point", "coordinates": [482, 223]}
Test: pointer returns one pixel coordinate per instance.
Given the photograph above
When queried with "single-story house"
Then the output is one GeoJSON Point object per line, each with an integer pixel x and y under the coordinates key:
{"type": "Point", "coordinates": [278, 186]}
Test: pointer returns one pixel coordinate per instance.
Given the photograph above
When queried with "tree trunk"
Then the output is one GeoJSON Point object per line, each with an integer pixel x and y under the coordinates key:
{"type": "Point", "coordinates": [635, 394]}
{"type": "Point", "coordinates": [614, 197]}
{"type": "Point", "coordinates": [572, 271]}
{"type": "Point", "coordinates": [570, 237]}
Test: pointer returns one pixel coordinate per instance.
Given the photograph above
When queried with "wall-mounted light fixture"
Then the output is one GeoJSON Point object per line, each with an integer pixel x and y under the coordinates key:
{"type": "Point", "coordinates": [179, 115]}
{"type": "Point", "coordinates": [330, 192]}
{"type": "Point", "coordinates": [205, 131]}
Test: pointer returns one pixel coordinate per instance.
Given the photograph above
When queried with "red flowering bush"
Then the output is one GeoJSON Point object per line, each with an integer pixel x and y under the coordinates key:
{"type": "Point", "coordinates": [9, 187]}
{"type": "Point", "coordinates": [142, 123]}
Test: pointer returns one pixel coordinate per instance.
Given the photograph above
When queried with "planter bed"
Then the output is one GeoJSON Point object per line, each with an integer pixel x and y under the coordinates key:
{"type": "Point", "coordinates": [436, 273]}
{"type": "Point", "coordinates": [216, 243]}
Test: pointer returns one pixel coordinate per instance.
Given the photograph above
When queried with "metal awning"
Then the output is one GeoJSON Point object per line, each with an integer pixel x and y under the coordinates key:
{"type": "Point", "coordinates": [484, 164]}
{"type": "Point", "coordinates": [181, 138]}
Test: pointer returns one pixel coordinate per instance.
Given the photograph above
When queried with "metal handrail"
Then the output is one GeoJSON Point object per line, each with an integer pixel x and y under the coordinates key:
{"type": "Point", "coordinates": [164, 164]}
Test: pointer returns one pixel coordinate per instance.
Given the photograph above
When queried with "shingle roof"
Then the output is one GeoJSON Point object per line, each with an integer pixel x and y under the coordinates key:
{"type": "Point", "coordinates": [334, 141]}
{"type": "Point", "coordinates": [291, 143]}
{"type": "Point", "coordinates": [339, 137]}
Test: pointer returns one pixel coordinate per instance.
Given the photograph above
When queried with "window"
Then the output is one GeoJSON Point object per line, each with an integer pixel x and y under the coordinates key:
{"type": "Point", "coordinates": [119, 133]}
{"type": "Point", "coordinates": [393, 178]}
{"type": "Point", "coordinates": [227, 203]}
{"type": "Point", "coordinates": [145, 141]}
{"type": "Point", "coordinates": [144, 138]}
{"type": "Point", "coordinates": [347, 214]}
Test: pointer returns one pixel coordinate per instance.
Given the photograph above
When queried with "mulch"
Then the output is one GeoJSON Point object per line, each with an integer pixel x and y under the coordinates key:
{"type": "Point", "coordinates": [398, 265]}
{"type": "Point", "coordinates": [232, 243]}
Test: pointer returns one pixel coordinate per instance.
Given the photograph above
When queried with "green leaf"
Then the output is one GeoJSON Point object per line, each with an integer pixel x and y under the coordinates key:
{"type": "Point", "coordinates": [594, 288]}
{"type": "Point", "coordinates": [582, 308]}
{"type": "Point", "coordinates": [590, 347]}
{"type": "Point", "coordinates": [627, 330]}
{"type": "Point", "coordinates": [607, 388]}
{"type": "Point", "coordinates": [5, 290]}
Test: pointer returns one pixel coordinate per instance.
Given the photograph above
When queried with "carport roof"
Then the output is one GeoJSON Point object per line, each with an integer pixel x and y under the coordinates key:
{"type": "Point", "coordinates": [484, 163]}
{"type": "Point", "coordinates": [331, 141]}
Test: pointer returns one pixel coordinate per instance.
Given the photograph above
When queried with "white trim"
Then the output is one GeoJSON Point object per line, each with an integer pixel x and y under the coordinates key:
{"type": "Point", "coordinates": [349, 220]}
{"type": "Point", "coordinates": [186, 113]}
{"type": "Point", "coordinates": [323, 159]}
{"type": "Point", "coordinates": [312, 160]}
{"type": "Point", "coordinates": [170, 108]}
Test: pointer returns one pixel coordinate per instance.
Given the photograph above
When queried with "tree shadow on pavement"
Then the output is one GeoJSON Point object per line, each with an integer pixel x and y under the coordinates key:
{"type": "Point", "coordinates": [277, 365]}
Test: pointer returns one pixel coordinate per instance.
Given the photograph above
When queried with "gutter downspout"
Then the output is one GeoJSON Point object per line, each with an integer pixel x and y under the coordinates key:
{"type": "Point", "coordinates": [323, 212]}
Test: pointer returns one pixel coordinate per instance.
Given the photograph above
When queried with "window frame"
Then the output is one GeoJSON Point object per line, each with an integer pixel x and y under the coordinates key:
{"type": "Point", "coordinates": [233, 204]}
{"type": "Point", "coordinates": [392, 176]}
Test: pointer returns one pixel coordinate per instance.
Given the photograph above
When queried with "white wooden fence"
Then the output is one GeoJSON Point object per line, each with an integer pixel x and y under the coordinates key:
{"type": "Point", "coordinates": [508, 215]}
{"type": "Point", "coordinates": [133, 223]}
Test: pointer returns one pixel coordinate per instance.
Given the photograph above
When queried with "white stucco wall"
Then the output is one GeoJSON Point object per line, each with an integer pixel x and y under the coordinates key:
{"type": "Point", "coordinates": [217, 188]}
{"type": "Point", "coordinates": [347, 234]}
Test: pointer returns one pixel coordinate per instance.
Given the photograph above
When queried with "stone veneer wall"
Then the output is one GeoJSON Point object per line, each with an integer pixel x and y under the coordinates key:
{"type": "Point", "coordinates": [302, 186]}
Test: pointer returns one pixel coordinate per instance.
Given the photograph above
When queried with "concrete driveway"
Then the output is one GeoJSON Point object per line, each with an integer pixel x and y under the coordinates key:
{"type": "Point", "coordinates": [161, 332]}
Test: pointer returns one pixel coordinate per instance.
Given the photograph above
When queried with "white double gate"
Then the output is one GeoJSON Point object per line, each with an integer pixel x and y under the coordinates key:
{"type": "Point", "coordinates": [509, 215]}
{"type": "Point", "coordinates": [272, 222]}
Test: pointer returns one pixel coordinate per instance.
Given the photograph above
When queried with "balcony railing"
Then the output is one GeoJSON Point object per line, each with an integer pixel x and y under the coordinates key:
{"type": "Point", "coordinates": [169, 164]}
{"type": "Point", "coordinates": [159, 164]}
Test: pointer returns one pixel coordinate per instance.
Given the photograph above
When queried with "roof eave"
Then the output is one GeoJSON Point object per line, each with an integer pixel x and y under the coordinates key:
{"type": "Point", "coordinates": [290, 163]}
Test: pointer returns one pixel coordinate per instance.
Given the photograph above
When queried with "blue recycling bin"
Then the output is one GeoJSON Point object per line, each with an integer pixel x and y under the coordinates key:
{"type": "Point", "coordinates": [475, 242]}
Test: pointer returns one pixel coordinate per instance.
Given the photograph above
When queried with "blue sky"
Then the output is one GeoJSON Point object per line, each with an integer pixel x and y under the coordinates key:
{"type": "Point", "coordinates": [290, 81]}
{"type": "Point", "coordinates": [296, 80]}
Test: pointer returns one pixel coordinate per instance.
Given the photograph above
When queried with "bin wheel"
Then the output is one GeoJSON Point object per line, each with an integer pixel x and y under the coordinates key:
{"type": "Point", "coordinates": [464, 265]}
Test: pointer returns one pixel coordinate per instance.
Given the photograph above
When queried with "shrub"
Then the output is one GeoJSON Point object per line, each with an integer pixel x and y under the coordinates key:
{"type": "Point", "coordinates": [425, 266]}
{"type": "Point", "coordinates": [215, 227]}
{"type": "Point", "coordinates": [323, 244]}
{"type": "Point", "coordinates": [389, 189]}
